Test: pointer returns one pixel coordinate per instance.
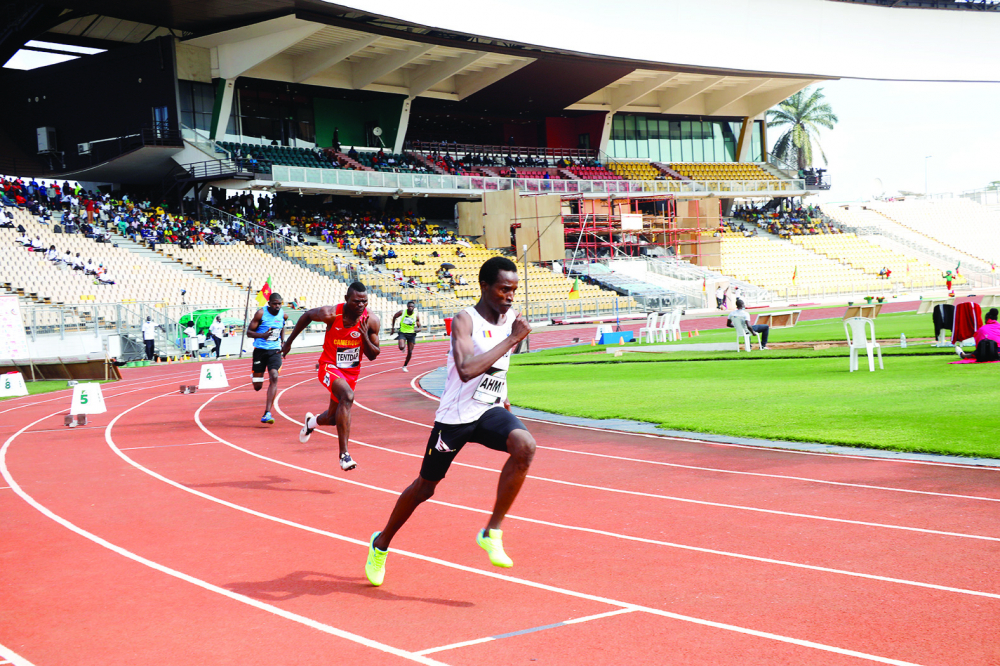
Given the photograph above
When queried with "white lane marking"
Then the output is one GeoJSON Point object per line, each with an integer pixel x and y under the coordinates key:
{"type": "Point", "coordinates": [737, 507]}
{"type": "Point", "coordinates": [4, 487]}
{"type": "Point", "coordinates": [578, 620]}
{"type": "Point", "coordinates": [460, 567]}
{"type": "Point", "coordinates": [589, 530]}
{"type": "Point", "coordinates": [167, 446]}
{"type": "Point", "coordinates": [416, 387]}
{"type": "Point", "coordinates": [309, 622]}
{"type": "Point", "coordinates": [12, 657]}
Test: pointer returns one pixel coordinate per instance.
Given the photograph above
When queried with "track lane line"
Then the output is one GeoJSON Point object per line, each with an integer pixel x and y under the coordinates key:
{"type": "Point", "coordinates": [416, 387]}
{"type": "Point", "coordinates": [589, 530]}
{"type": "Point", "coordinates": [11, 657]}
{"type": "Point", "coordinates": [578, 620]}
{"type": "Point", "coordinates": [635, 493]}
{"type": "Point", "coordinates": [274, 610]}
{"type": "Point", "coordinates": [460, 567]}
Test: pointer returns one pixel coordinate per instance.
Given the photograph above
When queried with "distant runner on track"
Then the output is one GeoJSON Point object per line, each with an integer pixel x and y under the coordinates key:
{"type": "Point", "coordinates": [267, 328]}
{"type": "Point", "coordinates": [408, 328]}
{"type": "Point", "coordinates": [350, 332]}
{"type": "Point", "coordinates": [474, 408]}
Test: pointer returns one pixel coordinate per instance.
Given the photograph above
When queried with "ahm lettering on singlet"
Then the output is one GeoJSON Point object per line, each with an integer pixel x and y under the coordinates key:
{"type": "Point", "coordinates": [492, 387]}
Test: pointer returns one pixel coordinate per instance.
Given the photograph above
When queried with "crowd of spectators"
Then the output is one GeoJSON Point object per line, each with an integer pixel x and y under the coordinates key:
{"type": "Point", "coordinates": [784, 222]}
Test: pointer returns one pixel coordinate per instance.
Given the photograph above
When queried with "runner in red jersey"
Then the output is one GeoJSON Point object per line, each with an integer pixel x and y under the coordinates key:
{"type": "Point", "coordinates": [350, 332]}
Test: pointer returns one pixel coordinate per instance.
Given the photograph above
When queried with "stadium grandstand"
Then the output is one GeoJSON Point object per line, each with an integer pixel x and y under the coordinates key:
{"type": "Point", "coordinates": [316, 144]}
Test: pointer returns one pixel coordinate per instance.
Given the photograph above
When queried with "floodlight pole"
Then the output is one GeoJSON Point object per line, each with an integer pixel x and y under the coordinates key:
{"type": "Point", "coordinates": [524, 251]}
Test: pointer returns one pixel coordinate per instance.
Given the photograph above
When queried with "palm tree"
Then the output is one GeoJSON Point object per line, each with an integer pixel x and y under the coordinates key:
{"type": "Point", "coordinates": [801, 115]}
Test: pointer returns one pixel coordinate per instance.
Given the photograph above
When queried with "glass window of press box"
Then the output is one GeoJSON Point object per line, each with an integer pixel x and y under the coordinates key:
{"type": "Point", "coordinates": [663, 140]}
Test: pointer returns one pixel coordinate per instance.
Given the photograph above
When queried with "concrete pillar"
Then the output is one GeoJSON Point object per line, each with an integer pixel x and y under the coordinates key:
{"type": "Point", "coordinates": [404, 121]}
{"type": "Point", "coordinates": [223, 108]}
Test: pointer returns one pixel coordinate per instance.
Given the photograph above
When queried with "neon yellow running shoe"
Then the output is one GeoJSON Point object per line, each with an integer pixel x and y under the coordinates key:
{"type": "Point", "coordinates": [493, 545]}
{"type": "Point", "coordinates": [375, 567]}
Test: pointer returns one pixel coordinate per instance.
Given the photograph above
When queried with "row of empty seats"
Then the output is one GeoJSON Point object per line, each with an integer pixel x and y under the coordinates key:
{"type": "Point", "coordinates": [722, 171]}
{"type": "Point", "coordinates": [961, 224]}
{"type": "Point", "coordinates": [637, 171]}
{"type": "Point", "coordinates": [778, 265]}
{"type": "Point", "coordinates": [871, 258]}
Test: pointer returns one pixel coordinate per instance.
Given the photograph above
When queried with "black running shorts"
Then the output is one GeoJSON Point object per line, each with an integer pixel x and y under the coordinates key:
{"type": "Point", "coordinates": [266, 359]}
{"type": "Point", "coordinates": [491, 430]}
{"type": "Point", "coordinates": [409, 337]}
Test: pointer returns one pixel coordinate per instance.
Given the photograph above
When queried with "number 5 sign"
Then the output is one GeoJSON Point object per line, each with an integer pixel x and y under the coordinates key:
{"type": "Point", "coordinates": [87, 399]}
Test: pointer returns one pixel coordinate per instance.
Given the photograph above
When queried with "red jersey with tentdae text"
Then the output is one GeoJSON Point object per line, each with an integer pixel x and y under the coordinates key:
{"type": "Point", "coordinates": [342, 346]}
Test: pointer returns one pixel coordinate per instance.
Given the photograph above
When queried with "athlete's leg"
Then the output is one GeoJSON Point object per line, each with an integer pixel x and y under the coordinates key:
{"type": "Point", "coordinates": [272, 388]}
{"type": "Point", "coordinates": [258, 381]}
{"type": "Point", "coordinates": [402, 342]}
{"type": "Point", "coordinates": [409, 353]}
{"type": "Point", "coordinates": [339, 411]}
{"type": "Point", "coordinates": [521, 446]}
{"type": "Point", "coordinates": [415, 494]}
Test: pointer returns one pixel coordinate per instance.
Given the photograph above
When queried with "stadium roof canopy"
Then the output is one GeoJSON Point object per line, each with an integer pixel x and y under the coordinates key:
{"type": "Point", "coordinates": [319, 43]}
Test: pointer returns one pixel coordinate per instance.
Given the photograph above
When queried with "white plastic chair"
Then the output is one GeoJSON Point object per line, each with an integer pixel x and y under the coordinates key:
{"type": "Point", "coordinates": [857, 339]}
{"type": "Point", "coordinates": [742, 331]}
{"type": "Point", "coordinates": [649, 329]}
{"type": "Point", "coordinates": [672, 326]}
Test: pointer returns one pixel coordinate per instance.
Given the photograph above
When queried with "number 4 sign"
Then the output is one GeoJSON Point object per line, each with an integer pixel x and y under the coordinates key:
{"type": "Point", "coordinates": [87, 399]}
{"type": "Point", "coordinates": [213, 375]}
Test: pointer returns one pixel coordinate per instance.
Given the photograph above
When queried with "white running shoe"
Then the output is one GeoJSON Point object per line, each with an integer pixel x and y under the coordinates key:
{"type": "Point", "coordinates": [405, 369]}
{"type": "Point", "coordinates": [306, 430]}
{"type": "Point", "coordinates": [347, 463]}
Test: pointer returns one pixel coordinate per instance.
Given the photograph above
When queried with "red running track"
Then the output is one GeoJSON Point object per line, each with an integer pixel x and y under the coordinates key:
{"type": "Point", "coordinates": [177, 528]}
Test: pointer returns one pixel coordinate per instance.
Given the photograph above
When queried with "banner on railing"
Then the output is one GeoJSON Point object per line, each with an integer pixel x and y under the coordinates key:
{"type": "Point", "coordinates": [13, 342]}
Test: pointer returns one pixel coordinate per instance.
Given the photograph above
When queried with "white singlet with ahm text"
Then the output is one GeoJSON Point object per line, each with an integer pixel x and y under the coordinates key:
{"type": "Point", "coordinates": [465, 402]}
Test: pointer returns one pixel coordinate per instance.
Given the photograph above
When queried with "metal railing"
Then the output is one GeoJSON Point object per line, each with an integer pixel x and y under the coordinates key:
{"type": "Point", "coordinates": [200, 139]}
{"type": "Point", "coordinates": [462, 149]}
{"type": "Point", "coordinates": [363, 180]}
{"type": "Point", "coordinates": [269, 239]}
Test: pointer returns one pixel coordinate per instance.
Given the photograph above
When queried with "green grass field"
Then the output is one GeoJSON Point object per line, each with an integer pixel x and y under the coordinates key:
{"type": "Point", "coordinates": [918, 403]}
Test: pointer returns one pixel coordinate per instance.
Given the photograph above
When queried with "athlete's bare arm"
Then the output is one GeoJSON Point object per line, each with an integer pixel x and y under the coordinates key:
{"type": "Point", "coordinates": [325, 314]}
{"type": "Point", "coordinates": [394, 318]}
{"type": "Point", "coordinates": [469, 366]}
{"type": "Point", "coordinates": [370, 327]}
{"type": "Point", "coordinates": [418, 325]}
{"type": "Point", "coordinates": [255, 324]}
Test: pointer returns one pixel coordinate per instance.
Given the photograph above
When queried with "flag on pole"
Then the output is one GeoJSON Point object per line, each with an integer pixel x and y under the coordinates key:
{"type": "Point", "coordinates": [957, 271]}
{"type": "Point", "coordinates": [574, 291]}
{"type": "Point", "coordinates": [795, 274]}
{"type": "Point", "coordinates": [265, 293]}
{"type": "Point", "coordinates": [704, 284]}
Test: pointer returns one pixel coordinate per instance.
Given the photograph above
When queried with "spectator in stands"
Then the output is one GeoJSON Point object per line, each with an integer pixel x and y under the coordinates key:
{"type": "Point", "coordinates": [77, 262]}
{"type": "Point", "coordinates": [719, 295]}
{"type": "Point", "coordinates": [67, 259]}
{"type": "Point", "coordinates": [89, 268]}
{"type": "Point", "coordinates": [51, 254]}
{"type": "Point", "coordinates": [105, 278]}
{"type": "Point", "coordinates": [149, 336]}
{"type": "Point", "coordinates": [987, 338]}
{"type": "Point", "coordinates": [24, 239]}
{"type": "Point", "coordinates": [761, 330]}
{"type": "Point", "coordinates": [37, 245]}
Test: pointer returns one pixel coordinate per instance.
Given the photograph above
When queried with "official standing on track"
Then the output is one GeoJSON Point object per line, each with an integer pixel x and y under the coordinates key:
{"type": "Point", "coordinates": [216, 330]}
{"type": "Point", "coordinates": [474, 408]}
{"type": "Point", "coordinates": [267, 328]}
{"type": "Point", "coordinates": [149, 337]}
{"type": "Point", "coordinates": [408, 328]}
{"type": "Point", "coordinates": [350, 332]}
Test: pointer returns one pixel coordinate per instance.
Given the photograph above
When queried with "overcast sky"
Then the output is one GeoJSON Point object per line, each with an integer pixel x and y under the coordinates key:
{"type": "Point", "coordinates": [886, 130]}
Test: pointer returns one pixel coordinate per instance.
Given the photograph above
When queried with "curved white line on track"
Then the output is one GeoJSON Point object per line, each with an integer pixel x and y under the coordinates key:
{"type": "Point", "coordinates": [313, 624]}
{"type": "Point", "coordinates": [418, 389]}
{"type": "Point", "coordinates": [588, 530]}
{"type": "Point", "coordinates": [12, 657]}
{"type": "Point", "coordinates": [460, 567]}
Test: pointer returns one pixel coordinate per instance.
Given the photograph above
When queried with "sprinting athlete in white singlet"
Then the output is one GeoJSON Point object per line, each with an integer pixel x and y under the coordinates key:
{"type": "Point", "coordinates": [474, 408]}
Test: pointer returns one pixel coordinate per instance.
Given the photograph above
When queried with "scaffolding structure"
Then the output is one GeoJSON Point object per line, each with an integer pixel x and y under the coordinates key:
{"type": "Point", "coordinates": [635, 226]}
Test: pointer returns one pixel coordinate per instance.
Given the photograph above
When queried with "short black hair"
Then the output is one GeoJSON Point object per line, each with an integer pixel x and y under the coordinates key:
{"type": "Point", "coordinates": [275, 295]}
{"type": "Point", "coordinates": [413, 303]}
{"type": "Point", "coordinates": [356, 286]}
{"type": "Point", "coordinates": [739, 303]}
{"type": "Point", "coordinates": [992, 314]}
{"type": "Point", "coordinates": [490, 270]}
